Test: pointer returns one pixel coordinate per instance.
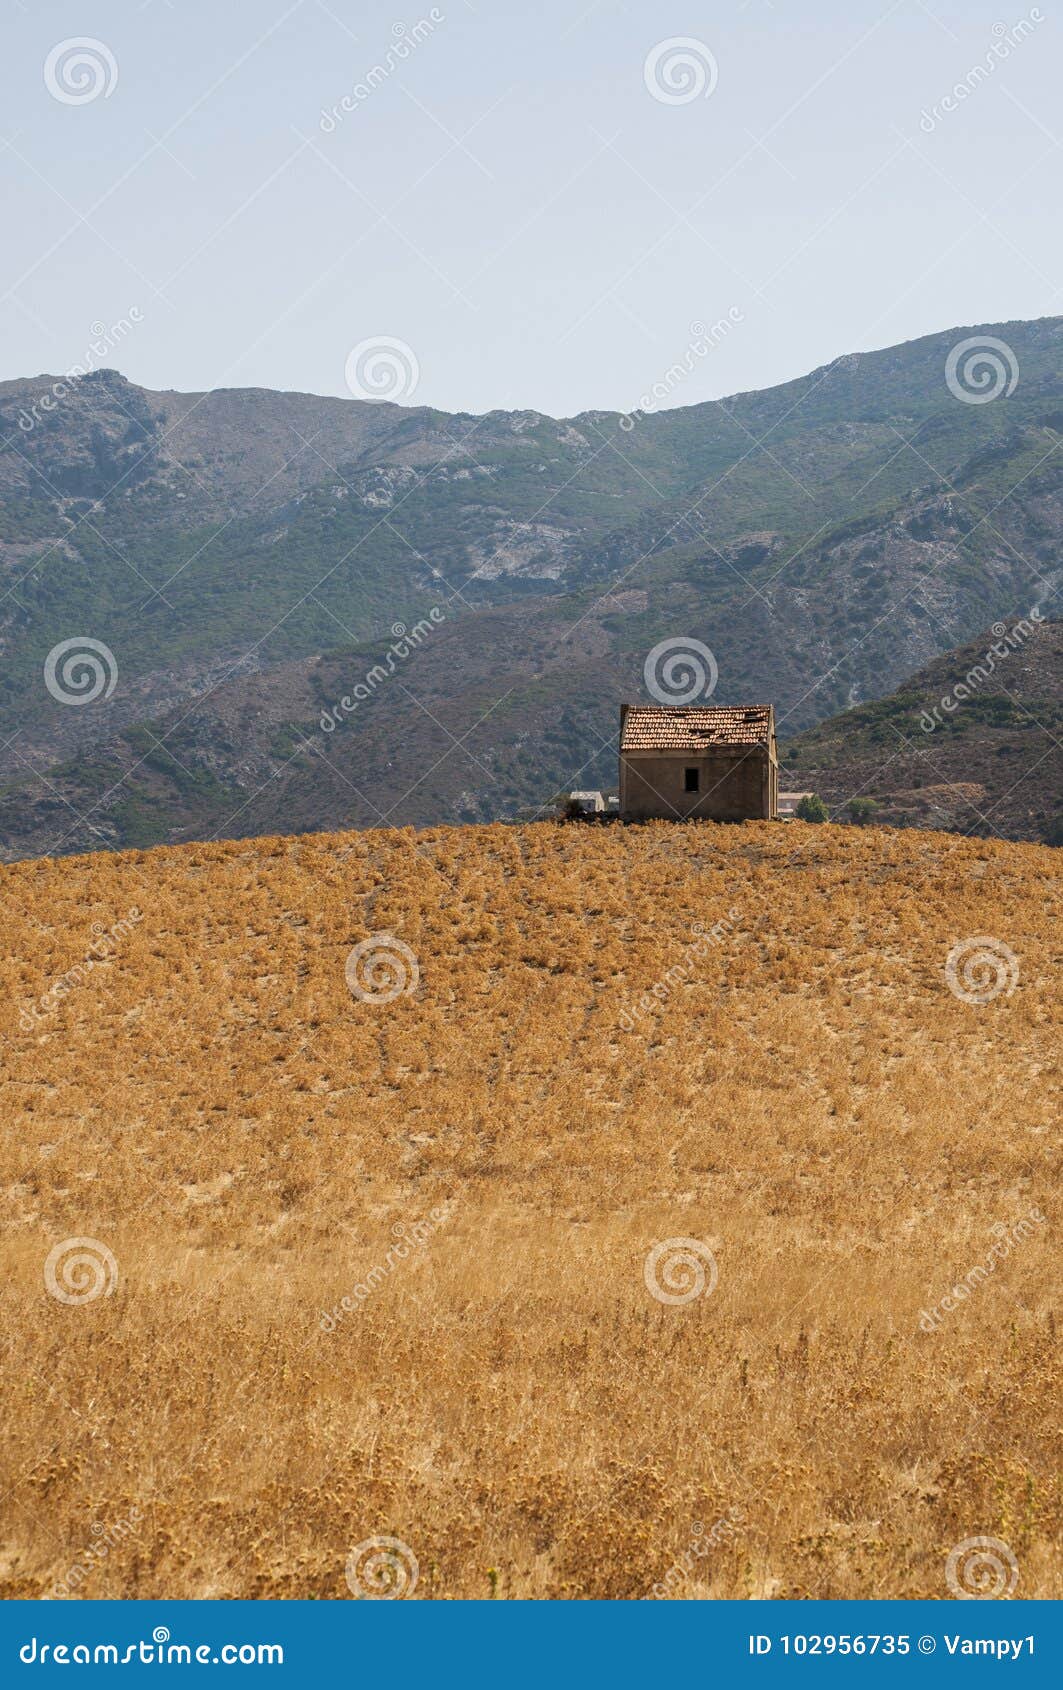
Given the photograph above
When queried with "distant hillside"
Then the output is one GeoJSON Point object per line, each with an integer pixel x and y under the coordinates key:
{"type": "Point", "coordinates": [245, 556]}
{"type": "Point", "coordinates": [280, 749]}
{"type": "Point", "coordinates": [580, 1208]}
{"type": "Point", "coordinates": [974, 742]}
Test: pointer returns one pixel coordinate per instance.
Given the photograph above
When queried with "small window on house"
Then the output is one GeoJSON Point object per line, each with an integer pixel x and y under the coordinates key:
{"type": "Point", "coordinates": [690, 780]}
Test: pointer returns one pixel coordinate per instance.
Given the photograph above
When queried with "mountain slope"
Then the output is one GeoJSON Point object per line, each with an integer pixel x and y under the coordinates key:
{"type": "Point", "coordinates": [482, 717]}
{"type": "Point", "coordinates": [974, 741]}
{"type": "Point", "coordinates": [824, 539]}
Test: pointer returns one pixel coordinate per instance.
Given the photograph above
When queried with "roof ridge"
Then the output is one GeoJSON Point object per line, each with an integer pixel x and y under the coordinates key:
{"type": "Point", "coordinates": [702, 707]}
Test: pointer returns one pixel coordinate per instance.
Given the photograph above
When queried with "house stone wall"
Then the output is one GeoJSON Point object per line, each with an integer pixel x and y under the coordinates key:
{"type": "Point", "coordinates": [739, 787]}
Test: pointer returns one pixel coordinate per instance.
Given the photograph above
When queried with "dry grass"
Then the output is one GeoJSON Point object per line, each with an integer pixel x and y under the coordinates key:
{"type": "Point", "coordinates": [215, 1106]}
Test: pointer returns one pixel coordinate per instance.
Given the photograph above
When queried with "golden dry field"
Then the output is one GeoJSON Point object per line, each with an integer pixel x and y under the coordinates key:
{"type": "Point", "coordinates": [647, 1170]}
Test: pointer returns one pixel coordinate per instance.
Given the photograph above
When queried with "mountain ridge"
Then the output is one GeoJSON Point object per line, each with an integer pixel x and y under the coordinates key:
{"type": "Point", "coordinates": [843, 361]}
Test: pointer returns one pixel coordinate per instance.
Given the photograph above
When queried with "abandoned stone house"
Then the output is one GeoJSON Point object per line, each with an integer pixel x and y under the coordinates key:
{"type": "Point", "coordinates": [715, 763]}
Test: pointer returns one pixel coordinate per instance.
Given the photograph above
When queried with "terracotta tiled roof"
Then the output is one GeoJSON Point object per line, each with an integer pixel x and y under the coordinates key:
{"type": "Point", "coordinates": [694, 727]}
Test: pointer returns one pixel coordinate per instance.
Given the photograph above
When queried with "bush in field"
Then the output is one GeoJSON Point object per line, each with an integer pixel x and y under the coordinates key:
{"type": "Point", "coordinates": [812, 809]}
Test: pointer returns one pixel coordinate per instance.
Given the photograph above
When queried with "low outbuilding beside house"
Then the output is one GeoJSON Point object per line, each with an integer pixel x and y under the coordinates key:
{"type": "Point", "coordinates": [585, 803]}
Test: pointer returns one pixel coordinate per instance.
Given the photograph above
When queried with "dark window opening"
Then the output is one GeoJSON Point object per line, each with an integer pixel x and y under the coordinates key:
{"type": "Point", "coordinates": [690, 780]}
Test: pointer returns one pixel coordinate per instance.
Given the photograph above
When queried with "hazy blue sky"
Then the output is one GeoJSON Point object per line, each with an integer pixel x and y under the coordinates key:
{"type": "Point", "coordinates": [510, 200]}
